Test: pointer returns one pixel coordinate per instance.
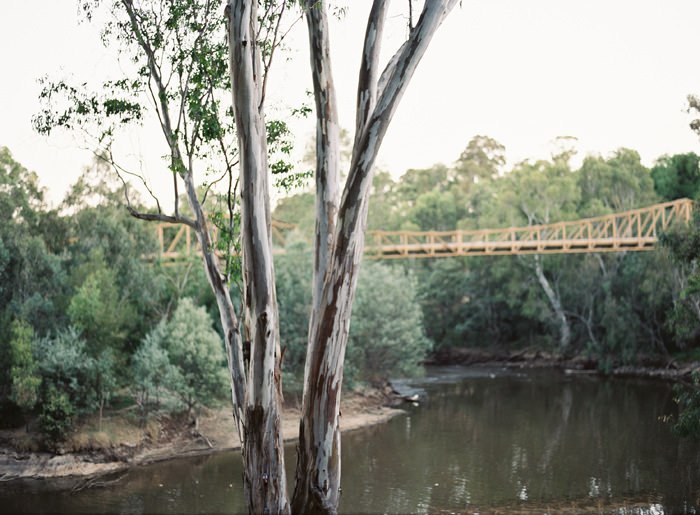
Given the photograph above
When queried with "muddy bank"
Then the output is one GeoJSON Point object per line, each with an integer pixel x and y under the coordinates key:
{"type": "Point", "coordinates": [166, 439]}
{"type": "Point", "coordinates": [646, 366]}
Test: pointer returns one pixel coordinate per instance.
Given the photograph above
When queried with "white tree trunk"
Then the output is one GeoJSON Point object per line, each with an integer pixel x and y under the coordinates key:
{"type": "Point", "coordinates": [318, 469]}
{"type": "Point", "coordinates": [555, 302]}
{"type": "Point", "coordinates": [263, 452]}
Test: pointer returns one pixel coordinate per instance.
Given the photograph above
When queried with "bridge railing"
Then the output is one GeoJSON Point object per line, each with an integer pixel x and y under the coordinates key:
{"type": "Point", "coordinates": [637, 229]}
{"type": "Point", "coordinates": [633, 230]}
{"type": "Point", "coordinates": [178, 240]}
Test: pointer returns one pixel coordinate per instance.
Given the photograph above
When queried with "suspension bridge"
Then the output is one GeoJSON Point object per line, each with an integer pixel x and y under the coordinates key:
{"type": "Point", "coordinates": [634, 230]}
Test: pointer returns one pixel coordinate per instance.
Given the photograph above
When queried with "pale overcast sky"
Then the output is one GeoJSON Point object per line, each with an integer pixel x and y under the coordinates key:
{"type": "Point", "coordinates": [610, 72]}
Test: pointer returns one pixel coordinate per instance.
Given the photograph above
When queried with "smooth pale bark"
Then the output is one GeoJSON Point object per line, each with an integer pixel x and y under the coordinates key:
{"type": "Point", "coordinates": [318, 471]}
{"type": "Point", "coordinates": [555, 302]}
{"type": "Point", "coordinates": [263, 452]}
{"type": "Point", "coordinates": [327, 142]}
{"type": "Point", "coordinates": [327, 184]}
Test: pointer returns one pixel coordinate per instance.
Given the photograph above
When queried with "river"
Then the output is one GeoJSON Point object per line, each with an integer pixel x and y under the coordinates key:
{"type": "Point", "coordinates": [480, 439]}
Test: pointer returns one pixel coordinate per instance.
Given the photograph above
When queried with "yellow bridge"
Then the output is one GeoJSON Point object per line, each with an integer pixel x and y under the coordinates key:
{"type": "Point", "coordinates": [634, 230]}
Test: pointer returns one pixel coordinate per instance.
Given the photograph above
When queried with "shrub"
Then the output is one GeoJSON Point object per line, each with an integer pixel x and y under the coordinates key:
{"type": "Point", "coordinates": [151, 370]}
{"type": "Point", "coordinates": [386, 333]}
{"type": "Point", "coordinates": [56, 416]}
{"type": "Point", "coordinates": [196, 353]}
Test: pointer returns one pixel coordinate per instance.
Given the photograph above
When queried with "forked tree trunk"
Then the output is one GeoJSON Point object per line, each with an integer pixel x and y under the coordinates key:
{"type": "Point", "coordinates": [339, 245]}
{"type": "Point", "coordinates": [318, 468]}
{"type": "Point", "coordinates": [263, 452]}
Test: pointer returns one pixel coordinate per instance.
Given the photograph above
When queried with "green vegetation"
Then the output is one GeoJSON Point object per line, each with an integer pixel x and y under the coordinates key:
{"type": "Point", "coordinates": [387, 337]}
{"type": "Point", "coordinates": [85, 320]}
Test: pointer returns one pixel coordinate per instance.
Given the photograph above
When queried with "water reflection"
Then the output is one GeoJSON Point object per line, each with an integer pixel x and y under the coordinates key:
{"type": "Point", "coordinates": [534, 438]}
{"type": "Point", "coordinates": [490, 440]}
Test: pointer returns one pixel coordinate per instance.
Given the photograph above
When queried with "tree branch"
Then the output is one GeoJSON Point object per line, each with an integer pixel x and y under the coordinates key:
{"type": "Point", "coordinates": [369, 66]}
{"type": "Point", "coordinates": [327, 142]}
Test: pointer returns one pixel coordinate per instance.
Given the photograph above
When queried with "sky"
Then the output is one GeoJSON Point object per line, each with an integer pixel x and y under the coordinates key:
{"type": "Point", "coordinates": [612, 73]}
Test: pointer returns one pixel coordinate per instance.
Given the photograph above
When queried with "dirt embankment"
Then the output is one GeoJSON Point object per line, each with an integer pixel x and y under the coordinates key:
{"type": "Point", "coordinates": [119, 444]}
{"type": "Point", "coordinates": [646, 366]}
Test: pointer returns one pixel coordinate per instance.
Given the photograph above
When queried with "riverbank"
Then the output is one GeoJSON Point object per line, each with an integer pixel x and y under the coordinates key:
{"type": "Point", "coordinates": [90, 452]}
{"type": "Point", "coordinates": [119, 444]}
{"type": "Point", "coordinates": [645, 366]}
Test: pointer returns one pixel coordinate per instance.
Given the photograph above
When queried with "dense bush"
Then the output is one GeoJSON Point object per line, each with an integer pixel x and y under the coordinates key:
{"type": "Point", "coordinates": [197, 374]}
{"type": "Point", "coordinates": [56, 416]}
{"type": "Point", "coordinates": [386, 329]}
{"type": "Point", "coordinates": [152, 372]}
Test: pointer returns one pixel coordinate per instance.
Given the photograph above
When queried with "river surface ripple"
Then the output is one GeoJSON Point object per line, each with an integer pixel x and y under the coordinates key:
{"type": "Point", "coordinates": [479, 440]}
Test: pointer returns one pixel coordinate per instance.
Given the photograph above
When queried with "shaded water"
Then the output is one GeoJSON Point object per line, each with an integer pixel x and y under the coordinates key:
{"type": "Point", "coordinates": [481, 439]}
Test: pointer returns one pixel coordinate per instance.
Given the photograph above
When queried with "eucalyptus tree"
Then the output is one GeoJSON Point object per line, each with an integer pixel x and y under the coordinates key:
{"type": "Point", "coordinates": [180, 76]}
{"type": "Point", "coordinates": [339, 236]}
{"type": "Point", "coordinates": [537, 194]}
{"type": "Point", "coordinates": [174, 57]}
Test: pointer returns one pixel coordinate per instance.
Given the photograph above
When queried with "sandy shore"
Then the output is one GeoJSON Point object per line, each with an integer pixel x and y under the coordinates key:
{"type": "Point", "coordinates": [216, 432]}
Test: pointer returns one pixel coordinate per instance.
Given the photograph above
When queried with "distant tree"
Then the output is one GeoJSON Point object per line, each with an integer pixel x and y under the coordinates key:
{"type": "Point", "coordinates": [24, 371]}
{"type": "Point", "coordinates": [98, 310]}
{"type": "Point", "coordinates": [31, 275]}
{"type": "Point", "coordinates": [688, 400]}
{"type": "Point", "coordinates": [534, 194]}
{"type": "Point", "coordinates": [74, 382]}
{"type": "Point", "coordinates": [151, 370]}
{"type": "Point", "coordinates": [677, 176]}
{"type": "Point", "coordinates": [483, 159]}
{"type": "Point", "coordinates": [56, 415]}
{"type": "Point", "coordinates": [683, 243]}
{"type": "Point", "coordinates": [438, 211]}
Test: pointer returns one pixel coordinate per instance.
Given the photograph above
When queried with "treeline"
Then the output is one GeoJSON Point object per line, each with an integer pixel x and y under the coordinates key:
{"type": "Point", "coordinates": [613, 308]}
{"type": "Point", "coordinates": [88, 323]}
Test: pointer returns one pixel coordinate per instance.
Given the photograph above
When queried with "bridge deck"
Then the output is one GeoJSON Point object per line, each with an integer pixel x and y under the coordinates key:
{"type": "Point", "coordinates": [634, 230]}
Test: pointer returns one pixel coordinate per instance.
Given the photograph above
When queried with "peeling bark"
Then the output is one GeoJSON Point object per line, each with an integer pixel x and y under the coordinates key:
{"type": "Point", "coordinates": [263, 452]}
{"type": "Point", "coordinates": [318, 467]}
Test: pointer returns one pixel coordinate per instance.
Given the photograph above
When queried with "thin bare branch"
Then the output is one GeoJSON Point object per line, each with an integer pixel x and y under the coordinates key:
{"type": "Point", "coordinates": [216, 181]}
{"type": "Point", "coordinates": [151, 217]}
{"type": "Point", "coordinates": [327, 142]}
{"type": "Point", "coordinates": [268, 62]}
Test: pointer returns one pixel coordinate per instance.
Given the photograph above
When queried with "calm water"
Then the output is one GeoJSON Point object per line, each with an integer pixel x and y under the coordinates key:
{"type": "Point", "coordinates": [481, 439]}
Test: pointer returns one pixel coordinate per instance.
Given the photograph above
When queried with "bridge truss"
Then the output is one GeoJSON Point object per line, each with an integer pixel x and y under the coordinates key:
{"type": "Point", "coordinates": [635, 230]}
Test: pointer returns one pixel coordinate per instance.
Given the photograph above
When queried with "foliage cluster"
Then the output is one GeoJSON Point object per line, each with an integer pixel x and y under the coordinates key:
{"type": "Point", "coordinates": [78, 298]}
{"type": "Point", "coordinates": [615, 308]}
{"type": "Point", "coordinates": [87, 320]}
{"type": "Point", "coordinates": [688, 399]}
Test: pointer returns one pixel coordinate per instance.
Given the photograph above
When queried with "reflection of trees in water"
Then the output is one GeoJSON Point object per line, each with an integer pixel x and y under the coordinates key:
{"type": "Point", "coordinates": [195, 485]}
{"type": "Point", "coordinates": [539, 438]}
{"type": "Point", "coordinates": [486, 443]}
